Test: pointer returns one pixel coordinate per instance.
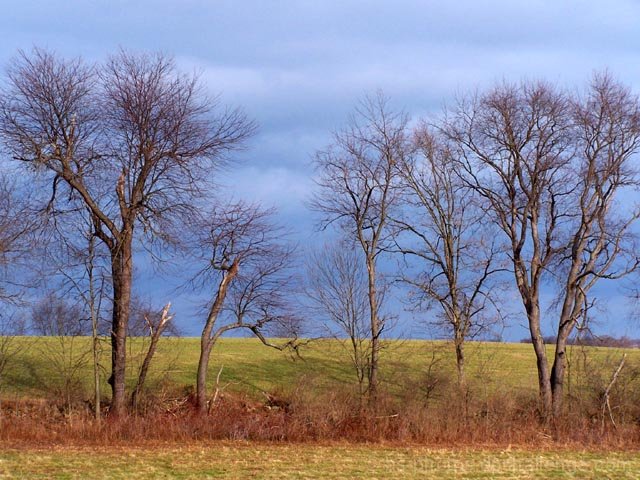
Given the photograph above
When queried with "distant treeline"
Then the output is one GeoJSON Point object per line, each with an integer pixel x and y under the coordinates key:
{"type": "Point", "coordinates": [594, 341]}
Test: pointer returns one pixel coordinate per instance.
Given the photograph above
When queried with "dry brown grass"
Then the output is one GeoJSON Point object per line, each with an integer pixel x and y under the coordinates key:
{"type": "Point", "coordinates": [307, 416]}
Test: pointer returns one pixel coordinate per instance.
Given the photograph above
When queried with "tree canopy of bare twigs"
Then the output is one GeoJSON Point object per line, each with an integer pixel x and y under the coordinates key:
{"type": "Point", "coordinates": [18, 224]}
{"type": "Point", "coordinates": [132, 140]}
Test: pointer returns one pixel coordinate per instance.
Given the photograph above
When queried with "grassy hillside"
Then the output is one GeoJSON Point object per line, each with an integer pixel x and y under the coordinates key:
{"type": "Point", "coordinates": [248, 366]}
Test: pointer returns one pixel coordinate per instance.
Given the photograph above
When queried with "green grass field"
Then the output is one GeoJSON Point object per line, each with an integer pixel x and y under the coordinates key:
{"type": "Point", "coordinates": [249, 367]}
{"type": "Point", "coordinates": [241, 460]}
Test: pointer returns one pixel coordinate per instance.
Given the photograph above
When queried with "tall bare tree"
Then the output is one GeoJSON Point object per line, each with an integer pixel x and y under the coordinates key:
{"type": "Point", "coordinates": [600, 241]}
{"type": "Point", "coordinates": [246, 271]}
{"type": "Point", "coordinates": [358, 188]}
{"type": "Point", "coordinates": [133, 141]}
{"type": "Point", "coordinates": [451, 255]}
{"type": "Point", "coordinates": [513, 142]}
{"type": "Point", "coordinates": [550, 167]}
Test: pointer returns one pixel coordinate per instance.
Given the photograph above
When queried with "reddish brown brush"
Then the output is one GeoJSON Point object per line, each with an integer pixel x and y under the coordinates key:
{"type": "Point", "coordinates": [502, 420]}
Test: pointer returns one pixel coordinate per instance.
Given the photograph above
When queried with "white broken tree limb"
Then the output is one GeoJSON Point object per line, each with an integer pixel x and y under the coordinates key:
{"type": "Point", "coordinates": [606, 405]}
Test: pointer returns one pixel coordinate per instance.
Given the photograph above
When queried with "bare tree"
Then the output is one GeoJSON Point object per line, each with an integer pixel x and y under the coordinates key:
{"type": "Point", "coordinates": [54, 316]}
{"type": "Point", "coordinates": [337, 288]}
{"type": "Point", "coordinates": [513, 142]}
{"type": "Point", "coordinates": [246, 270]}
{"type": "Point", "coordinates": [600, 243]}
{"type": "Point", "coordinates": [133, 141]}
{"type": "Point", "coordinates": [358, 190]}
{"type": "Point", "coordinates": [550, 167]}
{"type": "Point", "coordinates": [451, 255]}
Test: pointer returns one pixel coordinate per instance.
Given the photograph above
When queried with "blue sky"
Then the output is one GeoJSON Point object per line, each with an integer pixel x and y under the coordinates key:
{"type": "Point", "coordinates": [298, 67]}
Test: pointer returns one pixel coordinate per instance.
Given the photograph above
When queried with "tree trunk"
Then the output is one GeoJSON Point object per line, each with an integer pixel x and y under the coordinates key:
{"type": "Point", "coordinates": [359, 364]}
{"type": "Point", "coordinates": [95, 313]}
{"type": "Point", "coordinates": [557, 375]}
{"type": "Point", "coordinates": [571, 308]}
{"type": "Point", "coordinates": [544, 379]}
{"type": "Point", "coordinates": [96, 373]}
{"type": "Point", "coordinates": [207, 340]}
{"type": "Point", "coordinates": [206, 345]}
{"type": "Point", "coordinates": [459, 344]}
{"type": "Point", "coordinates": [569, 311]}
{"type": "Point", "coordinates": [121, 271]}
{"type": "Point", "coordinates": [375, 333]}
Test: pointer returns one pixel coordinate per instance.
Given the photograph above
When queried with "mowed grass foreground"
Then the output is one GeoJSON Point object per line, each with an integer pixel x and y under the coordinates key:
{"type": "Point", "coordinates": [251, 368]}
{"type": "Point", "coordinates": [240, 460]}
